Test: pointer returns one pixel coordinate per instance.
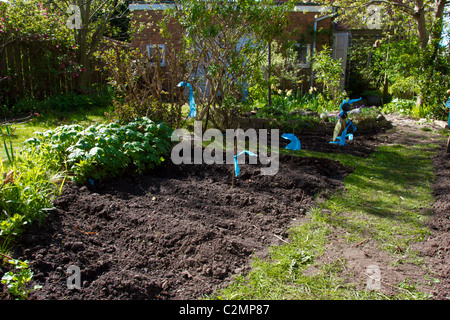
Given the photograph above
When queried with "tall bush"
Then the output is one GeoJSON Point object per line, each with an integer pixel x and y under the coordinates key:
{"type": "Point", "coordinates": [27, 188]}
{"type": "Point", "coordinates": [328, 72]}
{"type": "Point", "coordinates": [226, 43]}
{"type": "Point", "coordinates": [146, 87]}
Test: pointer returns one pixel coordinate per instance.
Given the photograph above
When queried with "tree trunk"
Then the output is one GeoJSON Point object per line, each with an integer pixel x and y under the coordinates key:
{"type": "Point", "coordinates": [437, 27]}
{"type": "Point", "coordinates": [81, 37]}
{"type": "Point", "coordinates": [428, 41]}
{"type": "Point", "coordinates": [419, 17]}
{"type": "Point", "coordinates": [269, 62]}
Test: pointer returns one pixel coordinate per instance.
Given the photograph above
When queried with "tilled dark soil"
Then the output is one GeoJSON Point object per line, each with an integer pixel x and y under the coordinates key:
{"type": "Point", "coordinates": [175, 234]}
{"type": "Point", "coordinates": [181, 232]}
{"type": "Point", "coordinates": [436, 249]}
{"type": "Point", "coordinates": [362, 145]}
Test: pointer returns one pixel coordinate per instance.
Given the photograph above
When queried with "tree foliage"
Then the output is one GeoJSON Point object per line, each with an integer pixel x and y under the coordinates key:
{"type": "Point", "coordinates": [328, 72]}
{"type": "Point", "coordinates": [411, 49]}
{"type": "Point", "coordinates": [48, 20]}
{"type": "Point", "coordinates": [226, 42]}
{"type": "Point", "coordinates": [31, 20]}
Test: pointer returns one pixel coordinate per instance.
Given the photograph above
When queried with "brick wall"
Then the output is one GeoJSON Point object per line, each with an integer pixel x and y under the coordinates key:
{"type": "Point", "coordinates": [302, 24]}
{"type": "Point", "coordinates": [300, 27]}
{"type": "Point", "coordinates": [151, 33]}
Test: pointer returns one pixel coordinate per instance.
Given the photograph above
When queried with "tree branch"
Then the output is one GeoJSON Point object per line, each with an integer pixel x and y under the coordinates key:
{"type": "Point", "coordinates": [402, 6]}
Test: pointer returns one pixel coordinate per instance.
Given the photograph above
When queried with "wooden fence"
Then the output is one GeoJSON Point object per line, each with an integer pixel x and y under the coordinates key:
{"type": "Point", "coordinates": [39, 69]}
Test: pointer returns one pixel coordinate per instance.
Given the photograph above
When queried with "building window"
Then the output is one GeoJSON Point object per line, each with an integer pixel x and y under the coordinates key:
{"type": "Point", "coordinates": [156, 53]}
{"type": "Point", "coordinates": [303, 55]}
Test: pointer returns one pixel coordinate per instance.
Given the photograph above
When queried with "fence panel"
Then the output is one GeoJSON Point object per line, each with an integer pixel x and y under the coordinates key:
{"type": "Point", "coordinates": [31, 68]}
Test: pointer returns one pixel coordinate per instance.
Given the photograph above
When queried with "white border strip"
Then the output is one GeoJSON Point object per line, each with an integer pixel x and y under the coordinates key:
{"type": "Point", "coordinates": [154, 6]}
{"type": "Point", "coordinates": [314, 8]}
{"type": "Point", "coordinates": [163, 6]}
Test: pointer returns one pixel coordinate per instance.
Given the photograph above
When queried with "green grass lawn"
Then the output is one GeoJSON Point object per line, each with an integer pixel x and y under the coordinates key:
{"type": "Point", "coordinates": [24, 131]}
{"type": "Point", "coordinates": [387, 198]}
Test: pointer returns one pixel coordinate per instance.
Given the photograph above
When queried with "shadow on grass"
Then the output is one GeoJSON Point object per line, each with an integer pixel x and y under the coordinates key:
{"type": "Point", "coordinates": [388, 195]}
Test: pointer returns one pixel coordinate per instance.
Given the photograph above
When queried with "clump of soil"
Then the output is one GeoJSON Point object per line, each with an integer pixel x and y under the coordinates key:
{"type": "Point", "coordinates": [177, 233]}
{"type": "Point", "coordinates": [436, 249]}
{"type": "Point", "coordinates": [362, 145]}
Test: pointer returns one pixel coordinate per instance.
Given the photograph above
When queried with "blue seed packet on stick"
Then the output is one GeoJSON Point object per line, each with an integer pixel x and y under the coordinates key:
{"type": "Point", "coordinates": [295, 143]}
{"type": "Point", "coordinates": [236, 165]}
{"type": "Point", "coordinates": [192, 107]}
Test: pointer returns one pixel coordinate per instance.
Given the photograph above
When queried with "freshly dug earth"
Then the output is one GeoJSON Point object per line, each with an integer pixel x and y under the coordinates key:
{"type": "Point", "coordinates": [436, 249]}
{"type": "Point", "coordinates": [362, 146]}
{"type": "Point", "coordinates": [433, 276]}
{"type": "Point", "coordinates": [177, 233]}
{"type": "Point", "coordinates": [181, 232]}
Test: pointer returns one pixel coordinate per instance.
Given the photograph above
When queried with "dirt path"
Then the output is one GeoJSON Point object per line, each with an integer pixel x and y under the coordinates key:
{"type": "Point", "coordinates": [435, 249]}
{"type": "Point", "coordinates": [433, 276]}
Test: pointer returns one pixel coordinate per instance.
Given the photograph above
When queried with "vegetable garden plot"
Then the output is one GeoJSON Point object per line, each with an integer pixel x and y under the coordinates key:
{"type": "Point", "coordinates": [178, 233]}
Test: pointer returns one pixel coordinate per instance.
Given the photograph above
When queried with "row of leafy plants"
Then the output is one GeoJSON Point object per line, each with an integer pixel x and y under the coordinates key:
{"type": "Point", "coordinates": [98, 97]}
{"type": "Point", "coordinates": [36, 173]}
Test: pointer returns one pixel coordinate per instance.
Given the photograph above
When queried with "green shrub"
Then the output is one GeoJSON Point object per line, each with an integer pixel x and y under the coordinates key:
{"type": "Point", "coordinates": [17, 280]}
{"type": "Point", "coordinates": [400, 106]}
{"type": "Point", "coordinates": [60, 103]}
{"type": "Point", "coordinates": [328, 73]}
{"type": "Point", "coordinates": [410, 108]}
{"type": "Point", "coordinates": [106, 150]}
{"type": "Point", "coordinates": [27, 188]}
{"type": "Point", "coordinates": [404, 88]}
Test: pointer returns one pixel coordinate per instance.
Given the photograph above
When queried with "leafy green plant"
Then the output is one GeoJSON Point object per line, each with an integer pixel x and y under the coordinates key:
{"type": "Point", "coordinates": [28, 187]}
{"type": "Point", "coordinates": [17, 280]}
{"type": "Point", "coordinates": [9, 151]}
{"type": "Point", "coordinates": [12, 225]}
{"type": "Point", "coordinates": [105, 150]}
{"type": "Point", "coordinates": [401, 106]}
{"type": "Point", "coordinates": [328, 72]}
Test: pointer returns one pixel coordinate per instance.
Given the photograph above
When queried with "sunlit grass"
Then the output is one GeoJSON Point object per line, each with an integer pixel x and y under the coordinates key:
{"type": "Point", "coordinates": [387, 198]}
{"type": "Point", "coordinates": [24, 131]}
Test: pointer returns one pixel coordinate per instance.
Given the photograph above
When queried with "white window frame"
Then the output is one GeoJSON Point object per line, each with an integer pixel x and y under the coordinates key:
{"type": "Point", "coordinates": [162, 48]}
{"type": "Point", "coordinates": [308, 55]}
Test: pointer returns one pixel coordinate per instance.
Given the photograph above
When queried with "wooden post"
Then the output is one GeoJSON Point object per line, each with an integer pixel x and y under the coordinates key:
{"type": "Point", "coordinates": [235, 153]}
{"type": "Point", "coordinates": [292, 154]}
{"type": "Point", "coordinates": [269, 62]}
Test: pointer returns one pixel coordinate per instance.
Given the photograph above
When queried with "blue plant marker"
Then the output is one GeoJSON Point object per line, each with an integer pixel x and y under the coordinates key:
{"type": "Point", "coordinates": [341, 139]}
{"type": "Point", "coordinates": [193, 111]}
{"type": "Point", "coordinates": [340, 123]}
{"type": "Point", "coordinates": [448, 106]}
{"type": "Point", "coordinates": [236, 166]}
{"type": "Point", "coordinates": [295, 143]}
{"type": "Point", "coordinates": [345, 106]}
{"type": "Point", "coordinates": [350, 123]}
